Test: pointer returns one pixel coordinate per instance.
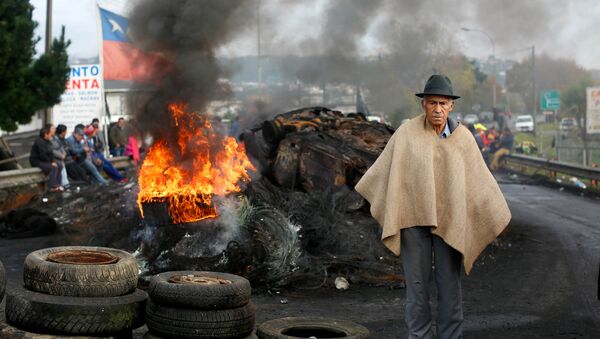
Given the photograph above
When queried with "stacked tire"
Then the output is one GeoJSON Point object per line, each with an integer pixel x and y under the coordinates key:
{"type": "Point", "coordinates": [78, 290]}
{"type": "Point", "coordinates": [195, 304]}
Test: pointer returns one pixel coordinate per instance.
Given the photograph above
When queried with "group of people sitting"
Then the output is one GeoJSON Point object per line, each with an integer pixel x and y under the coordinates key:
{"type": "Point", "coordinates": [79, 157]}
{"type": "Point", "coordinates": [492, 144]}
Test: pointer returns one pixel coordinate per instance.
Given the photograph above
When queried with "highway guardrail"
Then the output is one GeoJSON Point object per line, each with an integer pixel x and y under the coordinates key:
{"type": "Point", "coordinates": [554, 166]}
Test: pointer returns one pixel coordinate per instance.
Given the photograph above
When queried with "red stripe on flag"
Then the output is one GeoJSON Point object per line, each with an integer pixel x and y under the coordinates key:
{"type": "Point", "coordinates": [122, 61]}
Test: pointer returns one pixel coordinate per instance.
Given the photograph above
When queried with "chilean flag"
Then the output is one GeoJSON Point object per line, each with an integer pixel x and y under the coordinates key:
{"type": "Point", "coordinates": [123, 61]}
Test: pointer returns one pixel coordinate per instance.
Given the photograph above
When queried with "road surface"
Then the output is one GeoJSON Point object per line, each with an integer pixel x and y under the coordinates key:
{"type": "Point", "coordinates": [540, 280]}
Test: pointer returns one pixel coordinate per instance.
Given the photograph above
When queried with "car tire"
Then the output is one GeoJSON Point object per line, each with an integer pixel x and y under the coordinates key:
{"type": "Point", "coordinates": [45, 313]}
{"type": "Point", "coordinates": [170, 322]}
{"type": "Point", "coordinates": [200, 296]}
{"type": "Point", "coordinates": [150, 335]}
{"type": "Point", "coordinates": [104, 280]}
{"type": "Point", "coordinates": [306, 327]}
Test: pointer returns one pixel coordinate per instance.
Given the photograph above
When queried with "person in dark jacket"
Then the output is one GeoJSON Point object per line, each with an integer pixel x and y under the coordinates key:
{"type": "Point", "coordinates": [117, 138]}
{"type": "Point", "coordinates": [74, 170]}
{"type": "Point", "coordinates": [41, 156]}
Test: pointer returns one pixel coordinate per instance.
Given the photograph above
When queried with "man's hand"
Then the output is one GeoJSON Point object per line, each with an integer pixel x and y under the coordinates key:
{"type": "Point", "coordinates": [54, 164]}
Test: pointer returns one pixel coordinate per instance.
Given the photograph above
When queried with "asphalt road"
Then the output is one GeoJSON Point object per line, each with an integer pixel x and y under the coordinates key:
{"type": "Point", "coordinates": [540, 280]}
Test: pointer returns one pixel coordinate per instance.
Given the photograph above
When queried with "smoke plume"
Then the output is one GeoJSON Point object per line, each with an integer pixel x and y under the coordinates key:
{"type": "Point", "coordinates": [186, 33]}
{"type": "Point", "coordinates": [386, 46]}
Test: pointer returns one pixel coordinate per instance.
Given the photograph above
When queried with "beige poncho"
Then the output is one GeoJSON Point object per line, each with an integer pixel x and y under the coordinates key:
{"type": "Point", "coordinates": [422, 180]}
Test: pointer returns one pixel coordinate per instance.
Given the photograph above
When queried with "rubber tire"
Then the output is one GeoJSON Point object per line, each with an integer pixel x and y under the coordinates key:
{"type": "Point", "coordinates": [2, 281]}
{"type": "Point", "coordinates": [44, 313]}
{"type": "Point", "coordinates": [108, 280]}
{"type": "Point", "coordinates": [273, 329]}
{"type": "Point", "coordinates": [150, 335]}
{"type": "Point", "coordinates": [169, 322]}
{"type": "Point", "coordinates": [206, 297]}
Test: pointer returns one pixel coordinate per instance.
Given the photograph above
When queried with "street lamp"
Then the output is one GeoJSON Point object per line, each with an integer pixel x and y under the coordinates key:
{"type": "Point", "coordinates": [493, 60]}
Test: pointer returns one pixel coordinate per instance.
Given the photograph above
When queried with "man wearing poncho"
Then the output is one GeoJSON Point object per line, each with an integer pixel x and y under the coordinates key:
{"type": "Point", "coordinates": [434, 196]}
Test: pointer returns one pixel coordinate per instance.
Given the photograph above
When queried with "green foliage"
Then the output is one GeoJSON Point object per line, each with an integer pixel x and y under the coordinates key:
{"type": "Point", "coordinates": [550, 74]}
{"type": "Point", "coordinates": [27, 85]}
{"type": "Point", "coordinates": [573, 97]}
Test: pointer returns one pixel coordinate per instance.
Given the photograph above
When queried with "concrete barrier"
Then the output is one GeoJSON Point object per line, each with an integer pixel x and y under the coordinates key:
{"type": "Point", "coordinates": [34, 175]}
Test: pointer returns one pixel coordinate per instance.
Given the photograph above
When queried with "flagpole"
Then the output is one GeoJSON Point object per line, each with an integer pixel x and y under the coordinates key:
{"type": "Point", "coordinates": [105, 125]}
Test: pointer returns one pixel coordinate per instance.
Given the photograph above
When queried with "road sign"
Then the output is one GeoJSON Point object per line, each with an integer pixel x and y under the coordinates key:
{"type": "Point", "coordinates": [550, 100]}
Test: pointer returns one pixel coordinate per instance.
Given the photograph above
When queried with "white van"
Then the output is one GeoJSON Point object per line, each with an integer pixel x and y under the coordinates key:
{"type": "Point", "coordinates": [524, 123]}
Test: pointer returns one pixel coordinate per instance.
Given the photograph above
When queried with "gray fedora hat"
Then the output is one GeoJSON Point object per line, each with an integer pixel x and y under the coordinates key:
{"type": "Point", "coordinates": [438, 85]}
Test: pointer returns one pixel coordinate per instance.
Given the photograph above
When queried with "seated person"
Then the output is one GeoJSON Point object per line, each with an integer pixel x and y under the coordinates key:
{"type": "Point", "coordinates": [79, 152]}
{"type": "Point", "coordinates": [505, 146]}
{"type": "Point", "coordinates": [74, 170]}
{"type": "Point", "coordinates": [95, 152]}
{"type": "Point", "coordinates": [41, 156]}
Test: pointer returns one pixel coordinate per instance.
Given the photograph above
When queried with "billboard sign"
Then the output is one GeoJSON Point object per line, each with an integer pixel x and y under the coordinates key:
{"type": "Point", "coordinates": [593, 110]}
{"type": "Point", "coordinates": [82, 100]}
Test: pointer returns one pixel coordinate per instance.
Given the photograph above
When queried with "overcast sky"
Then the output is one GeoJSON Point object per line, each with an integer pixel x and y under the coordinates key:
{"type": "Point", "coordinates": [566, 29]}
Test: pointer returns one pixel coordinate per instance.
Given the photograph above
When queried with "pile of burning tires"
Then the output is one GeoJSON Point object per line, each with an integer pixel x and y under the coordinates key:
{"type": "Point", "coordinates": [77, 290]}
{"type": "Point", "coordinates": [193, 304]}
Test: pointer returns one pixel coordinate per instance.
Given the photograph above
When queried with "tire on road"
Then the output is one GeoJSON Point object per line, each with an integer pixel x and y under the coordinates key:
{"type": "Point", "coordinates": [172, 322]}
{"type": "Point", "coordinates": [79, 280]}
{"type": "Point", "coordinates": [200, 296]}
{"type": "Point", "coordinates": [150, 335]}
{"type": "Point", "coordinates": [45, 313]}
{"type": "Point", "coordinates": [2, 281]}
{"type": "Point", "coordinates": [306, 327]}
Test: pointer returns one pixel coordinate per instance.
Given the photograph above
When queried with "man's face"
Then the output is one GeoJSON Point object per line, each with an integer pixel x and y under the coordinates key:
{"type": "Point", "coordinates": [121, 123]}
{"type": "Point", "coordinates": [436, 109]}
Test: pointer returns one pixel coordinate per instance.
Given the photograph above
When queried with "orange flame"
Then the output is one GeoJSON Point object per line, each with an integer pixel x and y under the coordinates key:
{"type": "Point", "coordinates": [187, 175]}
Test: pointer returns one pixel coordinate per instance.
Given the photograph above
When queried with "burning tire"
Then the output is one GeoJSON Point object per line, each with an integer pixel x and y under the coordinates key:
{"type": "Point", "coordinates": [172, 322]}
{"type": "Point", "coordinates": [199, 290]}
{"type": "Point", "coordinates": [44, 313]}
{"type": "Point", "coordinates": [2, 281]}
{"type": "Point", "coordinates": [81, 271]}
{"type": "Point", "coordinates": [307, 327]}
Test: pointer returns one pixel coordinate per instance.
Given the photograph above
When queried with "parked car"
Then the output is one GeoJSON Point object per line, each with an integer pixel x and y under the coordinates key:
{"type": "Point", "coordinates": [524, 123]}
{"type": "Point", "coordinates": [567, 124]}
{"type": "Point", "coordinates": [471, 119]}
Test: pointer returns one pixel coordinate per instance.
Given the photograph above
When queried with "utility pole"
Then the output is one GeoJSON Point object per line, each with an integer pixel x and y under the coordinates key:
{"type": "Point", "coordinates": [533, 88]}
{"type": "Point", "coordinates": [48, 43]}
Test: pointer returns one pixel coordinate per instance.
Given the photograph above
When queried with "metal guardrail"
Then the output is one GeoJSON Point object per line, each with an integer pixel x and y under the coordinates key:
{"type": "Point", "coordinates": [34, 175]}
{"type": "Point", "coordinates": [554, 166]}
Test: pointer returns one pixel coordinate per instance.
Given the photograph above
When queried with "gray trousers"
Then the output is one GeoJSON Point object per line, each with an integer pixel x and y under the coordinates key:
{"type": "Point", "coordinates": [418, 247]}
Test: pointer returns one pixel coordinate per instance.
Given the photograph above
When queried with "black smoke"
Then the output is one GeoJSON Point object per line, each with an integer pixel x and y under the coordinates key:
{"type": "Point", "coordinates": [186, 33]}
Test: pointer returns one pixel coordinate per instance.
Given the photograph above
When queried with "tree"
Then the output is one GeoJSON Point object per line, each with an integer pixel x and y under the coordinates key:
{"type": "Point", "coordinates": [550, 74]}
{"type": "Point", "coordinates": [27, 85]}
